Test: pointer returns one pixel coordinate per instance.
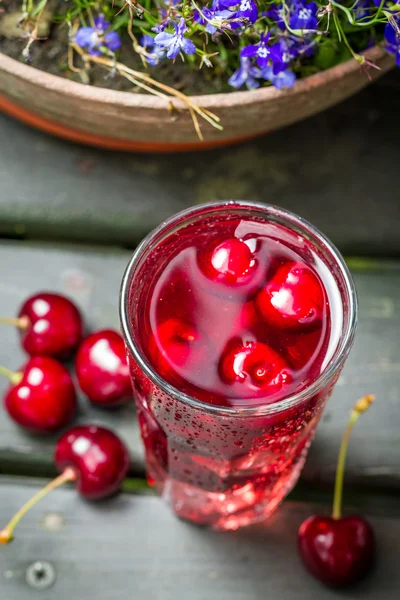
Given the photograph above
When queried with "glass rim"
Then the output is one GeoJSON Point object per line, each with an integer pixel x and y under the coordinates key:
{"type": "Point", "coordinates": [338, 358]}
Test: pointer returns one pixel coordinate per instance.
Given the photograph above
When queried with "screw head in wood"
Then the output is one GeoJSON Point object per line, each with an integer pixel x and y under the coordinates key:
{"type": "Point", "coordinates": [40, 575]}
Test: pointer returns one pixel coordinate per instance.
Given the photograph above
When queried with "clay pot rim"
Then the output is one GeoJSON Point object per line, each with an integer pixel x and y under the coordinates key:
{"type": "Point", "coordinates": [210, 101]}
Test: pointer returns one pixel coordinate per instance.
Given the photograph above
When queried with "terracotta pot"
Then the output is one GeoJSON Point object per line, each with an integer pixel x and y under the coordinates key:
{"type": "Point", "coordinates": [139, 122]}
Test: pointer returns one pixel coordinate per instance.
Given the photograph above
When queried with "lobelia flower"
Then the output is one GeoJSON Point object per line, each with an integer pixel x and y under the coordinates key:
{"type": "Point", "coordinates": [213, 19]}
{"type": "Point", "coordinates": [96, 38]}
{"type": "Point", "coordinates": [154, 53]}
{"type": "Point", "coordinates": [277, 13]}
{"type": "Point", "coordinates": [362, 9]}
{"type": "Point", "coordinates": [261, 51]}
{"type": "Point", "coordinates": [392, 38]}
{"type": "Point", "coordinates": [159, 28]}
{"type": "Point", "coordinates": [245, 74]}
{"type": "Point", "coordinates": [282, 55]}
{"type": "Point", "coordinates": [175, 42]}
{"type": "Point", "coordinates": [284, 51]}
{"type": "Point", "coordinates": [246, 11]}
{"type": "Point", "coordinates": [163, 24]}
{"type": "Point", "coordinates": [304, 16]}
{"type": "Point", "coordinates": [288, 48]}
{"type": "Point", "coordinates": [284, 79]}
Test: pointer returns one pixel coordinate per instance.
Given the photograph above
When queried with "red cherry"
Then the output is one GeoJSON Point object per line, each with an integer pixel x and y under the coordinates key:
{"type": "Point", "coordinates": [293, 298]}
{"type": "Point", "coordinates": [98, 457]}
{"type": "Point", "coordinates": [229, 261]}
{"type": "Point", "coordinates": [93, 457]}
{"type": "Point", "coordinates": [42, 396]}
{"type": "Point", "coordinates": [337, 551]}
{"type": "Point", "coordinates": [102, 369]}
{"type": "Point", "coordinates": [174, 344]}
{"type": "Point", "coordinates": [49, 324]}
{"type": "Point", "coordinates": [256, 362]}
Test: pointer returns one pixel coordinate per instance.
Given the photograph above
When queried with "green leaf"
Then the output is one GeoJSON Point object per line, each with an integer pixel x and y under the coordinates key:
{"type": "Point", "coordinates": [40, 6]}
{"type": "Point", "coordinates": [326, 56]}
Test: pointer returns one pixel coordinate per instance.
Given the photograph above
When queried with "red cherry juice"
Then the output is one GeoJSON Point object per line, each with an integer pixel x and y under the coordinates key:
{"type": "Point", "coordinates": [235, 314]}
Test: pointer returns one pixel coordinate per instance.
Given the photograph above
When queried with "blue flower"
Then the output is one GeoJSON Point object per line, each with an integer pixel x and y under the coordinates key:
{"type": "Point", "coordinates": [164, 14]}
{"type": "Point", "coordinates": [277, 13]}
{"type": "Point", "coordinates": [159, 28]}
{"type": "Point", "coordinates": [284, 79]}
{"type": "Point", "coordinates": [393, 40]}
{"type": "Point", "coordinates": [214, 19]}
{"type": "Point", "coordinates": [154, 53]}
{"type": "Point", "coordinates": [96, 38]}
{"type": "Point", "coordinates": [175, 42]}
{"type": "Point", "coordinates": [101, 24]}
{"type": "Point", "coordinates": [304, 16]}
{"type": "Point", "coordinates": [282, 53]}
{"type": "Point", "coordinates": [261, 51]}
{"type": "Point", "coordinates": [246, 11]}
{"type": "Point", "coordinates": [245, 74]}
{"type": "Point", "coordinates": [362, 9]}
{"type": "Point", "coordinates": [288, 48]}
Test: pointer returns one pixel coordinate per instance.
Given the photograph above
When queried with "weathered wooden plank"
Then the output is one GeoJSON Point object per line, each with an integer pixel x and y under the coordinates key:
{"type": "Point", "coordinates": [133, 547]}
{"type": "Point", "coordinates": [92, 277]}
{"type": "Point", "coordinates": [55, 190]}
{"type": "Point", "coordinates": [373, 367]}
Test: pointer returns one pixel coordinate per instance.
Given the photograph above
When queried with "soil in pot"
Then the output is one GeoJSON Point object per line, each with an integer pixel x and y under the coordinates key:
{"type": "Point", "coordinates": [51, 55]}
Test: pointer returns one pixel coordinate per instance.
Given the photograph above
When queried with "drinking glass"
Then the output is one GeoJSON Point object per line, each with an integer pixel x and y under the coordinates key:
{"type": "Point", "coordinates": [228, 466]}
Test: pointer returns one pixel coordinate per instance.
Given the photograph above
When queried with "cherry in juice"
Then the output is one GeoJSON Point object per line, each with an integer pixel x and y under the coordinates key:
{"type": "Point", "coordinates": [236, 314]}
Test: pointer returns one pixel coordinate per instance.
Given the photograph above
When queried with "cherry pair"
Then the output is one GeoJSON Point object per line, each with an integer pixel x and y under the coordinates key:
{"type": "Point", "coordinates": [42, 395]}
{"type": "Point", "coordinates": [292, 299]}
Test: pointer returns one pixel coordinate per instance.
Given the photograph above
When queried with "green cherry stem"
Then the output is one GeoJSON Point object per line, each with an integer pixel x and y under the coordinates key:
{"type": "Point", "coordinates": [7, 534]}
{"type": "Point", "coordinates": [14, 377]}
{"type": "Point", "coordinates": [21, 323]}
{"type": "Point", "coordinates": [360, 407]}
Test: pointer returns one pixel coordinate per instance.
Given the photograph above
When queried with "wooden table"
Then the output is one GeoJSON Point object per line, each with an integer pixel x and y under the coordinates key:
{"type": "Point", "coordinates": [56, 196]}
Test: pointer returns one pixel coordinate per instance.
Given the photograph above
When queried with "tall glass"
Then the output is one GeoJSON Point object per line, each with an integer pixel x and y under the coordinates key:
{"type": "Point", "coordinates": [226, 466]}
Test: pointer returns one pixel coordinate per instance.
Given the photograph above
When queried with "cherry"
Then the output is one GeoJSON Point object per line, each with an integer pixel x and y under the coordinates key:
{"type": "Point", "coordinates": [50, 325]}
{"type": "Point", "coordinates": [229, 261]}
{"type": "Point", "coordinates": [102, 369]}
{"type": "Point", "coordinates": [293, 298]}
{"type": "Point", "coordinates": [41, 396]}
{"type": "Point", "coordinates": [98, 457]}
{"type": "Point", "coordinates": [175, 344]}
{"type": "Point", "coordinates": [339, 550]}
{"type": "Point", "coordinates": [256, 362]}
{"type": "Point", "coordinates": [94, 457]}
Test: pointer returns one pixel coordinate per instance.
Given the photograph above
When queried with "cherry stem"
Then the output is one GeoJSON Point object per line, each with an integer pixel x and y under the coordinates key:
{"type": "Point", "coordinates": [22, 322]}
{"type": "Point", "coordinates": [360, 407]}
{"type": "Point", "coordinates": [6, 534]}
{"type": "Point", "coordinates": [14, 377]}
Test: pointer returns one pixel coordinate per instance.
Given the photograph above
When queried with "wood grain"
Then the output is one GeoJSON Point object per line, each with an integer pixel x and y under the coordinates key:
{"type": "Point", "coordinates": [133, 547]}
{"type": "Point", "coordinates": [92, 278]}
{"type": "Point", "coordinates": [57, 191]}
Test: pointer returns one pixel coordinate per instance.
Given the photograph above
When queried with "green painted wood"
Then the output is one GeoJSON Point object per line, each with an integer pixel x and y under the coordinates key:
{"type": "Point", "coordinates": [133, 547]}
{"type": "Point", "coordinates": [333, 169]}
{"type": "Point", "coordinates": [92, 278]}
